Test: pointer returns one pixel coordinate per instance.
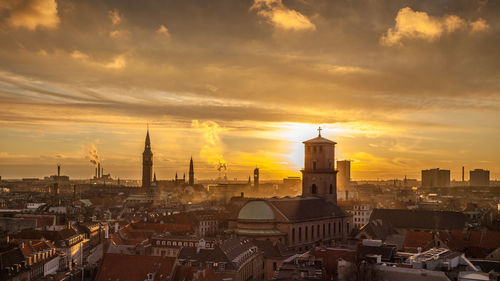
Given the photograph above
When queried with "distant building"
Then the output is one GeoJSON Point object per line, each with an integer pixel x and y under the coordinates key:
{"type": "Point", "coordinates": [344, 174]}
{"type": "Point", "coordinates": [435, 178]}
{"type": "Point", "coordinates": [479, 177]}
{"type": "Point", "coordinates": [256, 178]}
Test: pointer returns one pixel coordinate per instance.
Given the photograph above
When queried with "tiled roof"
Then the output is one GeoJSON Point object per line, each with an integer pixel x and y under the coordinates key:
{"type": "Point", "coordinates": [415, 239]}
{"type": "Point", "coordinates": [420, 219]}
{"type": "Point", "coordinates": [306, 208]}
{"type": "Point", "coordinates": [134, 267]}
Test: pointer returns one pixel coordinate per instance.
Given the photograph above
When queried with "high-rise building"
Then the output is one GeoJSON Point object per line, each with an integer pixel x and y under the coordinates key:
{"type": "Point", "coordinates": [191, 172]}
{"type": "Point", "coordinates": [147, 163]}
{"type": "Point", "coordinates": [319, 177]}
{"type": "Point", "coordinates": [479, 177]}
{"type": "Point", "coordinates": [435, 178]}
{"type": "Point", "coordinates": [344, 174]}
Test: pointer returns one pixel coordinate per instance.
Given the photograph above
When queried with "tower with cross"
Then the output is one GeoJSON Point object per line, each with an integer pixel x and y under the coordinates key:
{"type": "Point", "coordinates": [319, 177]}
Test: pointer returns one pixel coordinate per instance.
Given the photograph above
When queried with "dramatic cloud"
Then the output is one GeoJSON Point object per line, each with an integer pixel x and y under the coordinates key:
{"type": "Point", "coordinates": [415, 24]}
{"type": "Point", "coordinates": [260, 76]}
{"type": "Point", "coordinates": [280, 16]}
{"type": "Point", "coordinates": [31, 14]}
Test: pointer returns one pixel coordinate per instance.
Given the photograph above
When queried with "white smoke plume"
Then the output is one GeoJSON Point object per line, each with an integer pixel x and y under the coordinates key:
{"type": "Point", "coordinates": [93, 155]}
{"type": "Point", "coordinates": [211, 150]}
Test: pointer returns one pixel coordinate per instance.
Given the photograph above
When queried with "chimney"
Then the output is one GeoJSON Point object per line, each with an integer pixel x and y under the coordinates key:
{"type": "Point", "coordinates": [98, 170]}
{"type": "Point", "coordinates": [96, 173]}
{"type": "Point", "coordinates": [242, 194]}
{"type": "Point", "coordinates": [58, 170]}
{"type": "Point", "coordinates": [102, 172]}
{"type": "Point", "coordinates": [463, 174]}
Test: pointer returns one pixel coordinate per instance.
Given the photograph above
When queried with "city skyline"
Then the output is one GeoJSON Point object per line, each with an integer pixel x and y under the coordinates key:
{"type": "Point", "coordinates": [245, 83]}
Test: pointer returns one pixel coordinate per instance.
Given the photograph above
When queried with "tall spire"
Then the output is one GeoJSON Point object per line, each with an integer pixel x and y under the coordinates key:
{"type": "Point", "coordinates": [148, 142]}
{"type": "Point", "coordinates": [191, 172]}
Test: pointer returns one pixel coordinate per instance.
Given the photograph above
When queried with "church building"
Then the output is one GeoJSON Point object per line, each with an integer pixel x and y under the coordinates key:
{"type": "Point", "coordinates": [301, 222]}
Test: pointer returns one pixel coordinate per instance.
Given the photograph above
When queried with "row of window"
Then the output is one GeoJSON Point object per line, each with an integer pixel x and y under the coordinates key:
{"type": "Point", "coordinates": [175, 243]}
{"type": "Point", "coordinates": [315, 148]}
{"type": "Point", "coordinates": [317, 232]}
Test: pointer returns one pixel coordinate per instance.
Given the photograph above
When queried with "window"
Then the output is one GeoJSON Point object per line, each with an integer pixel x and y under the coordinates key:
{"type": "Point", "coordinates": [331, 188]}
{"type": "Point", "coordinates": [320, 148]}
{"type": "Point", "coordinates": [314, 164]}
{"type": "Point", "coordinates": [314, 148]}
{"type": "Point", "coordinates": [334, 228]}
{"type": "Point", "coordinates": [305, 232]}
{"type": "Point", "coordinates": [314, 189]}
{"type": "Point", "coordinates": [312, 232]}
{"type": "Point", "coordinates": [163, 242]}
{"type": "Point", "coordinates": [300, 234]}
{"type": "Point", "coordinates": [157, 242]}
{"type": "Point", "coordinates": [293, 235]}
{"type": "Point", "coordinates": [329, 229]}
{"type": "Point", "coordinates": [324, 230]}
{"type": "Point", "coordinates": [317, 231]}
{"type": "Point", "coordinates": [275, 266]}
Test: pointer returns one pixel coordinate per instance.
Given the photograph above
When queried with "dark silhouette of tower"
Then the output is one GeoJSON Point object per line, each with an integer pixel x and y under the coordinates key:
{"type": "Point", "coordinates": [256, 178]}
{"type": "Point", "coordinates": [147, 163]}
{"type": "Point", "coordinates": [191, 172]}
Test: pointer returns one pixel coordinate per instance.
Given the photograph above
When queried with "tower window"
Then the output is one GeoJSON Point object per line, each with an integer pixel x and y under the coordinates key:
{"type": "Point", "coordinates": [331, 188]}
{"type": "Point", "coordinates": [314, 164]}
{"type": "Point", "coordinates": [314, 189]}
{"type": "Point", "coordinates": [305, 233]}
{"type": "Point", "coordinates": [300, 234]}
{"type": "Point", "coordinates": [320, 148]}
{"type": "Point", "coordinates": [314, 148]}
{"type": "Point", "coordinates": [293, 235]}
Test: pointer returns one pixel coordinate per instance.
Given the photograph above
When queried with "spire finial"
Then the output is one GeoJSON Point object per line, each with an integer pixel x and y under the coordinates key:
{"type": "Point", "coordinates": [319, 131]}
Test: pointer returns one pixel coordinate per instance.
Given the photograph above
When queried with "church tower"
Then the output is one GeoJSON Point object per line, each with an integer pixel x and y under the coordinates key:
{"type": "Point", "coordinates": [319, 177]}
{"type": "Point", "coordinates": [191, 172]}
{"type": "Point", "coordinates": [147, 163]}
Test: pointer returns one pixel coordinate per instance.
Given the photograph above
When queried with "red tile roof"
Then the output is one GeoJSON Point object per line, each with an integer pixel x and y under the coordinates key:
{"type": "Point", "coordinates": [123, 267]}
{"type": "Point", "coordinates": [415, 239]}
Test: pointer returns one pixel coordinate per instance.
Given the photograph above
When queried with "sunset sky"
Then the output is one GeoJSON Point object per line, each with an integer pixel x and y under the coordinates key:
{"type": "Point", "coordinates": [399, 85]}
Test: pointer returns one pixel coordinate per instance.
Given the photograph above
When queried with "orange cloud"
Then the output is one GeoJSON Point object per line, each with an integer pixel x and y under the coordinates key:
{"type": "Point", "coordinates": [415, 24]}
{"type": "Point", "coordinates": [281, 17]}
{"type": "Point", "coordinates": [31, 14]}
{"type": "Point", "coordinates": [114, 16]}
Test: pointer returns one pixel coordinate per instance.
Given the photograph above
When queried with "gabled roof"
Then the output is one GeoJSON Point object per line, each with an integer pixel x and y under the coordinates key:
{"type": "Point", "coordinates": [134, 267]}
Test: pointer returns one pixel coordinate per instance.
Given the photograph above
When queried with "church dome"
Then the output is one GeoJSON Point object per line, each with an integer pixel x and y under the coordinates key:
{"type": "Point", "coordinates": [256, 210]}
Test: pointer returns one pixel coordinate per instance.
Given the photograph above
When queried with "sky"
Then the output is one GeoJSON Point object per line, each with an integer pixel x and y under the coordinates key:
{"type": "Point", "coordinates": [401, 86]}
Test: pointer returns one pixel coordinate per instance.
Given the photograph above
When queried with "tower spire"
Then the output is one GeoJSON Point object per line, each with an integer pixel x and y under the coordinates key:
{"type": "Point", "coordinates": [191, 172]}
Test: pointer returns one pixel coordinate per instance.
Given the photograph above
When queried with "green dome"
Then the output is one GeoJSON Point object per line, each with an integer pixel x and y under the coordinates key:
{"type": "Point", "coordinates": [256, 210]}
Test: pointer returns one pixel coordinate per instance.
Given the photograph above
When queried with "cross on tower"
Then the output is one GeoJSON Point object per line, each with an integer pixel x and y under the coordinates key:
{"type": "Point", "coordinates": [319, 131]}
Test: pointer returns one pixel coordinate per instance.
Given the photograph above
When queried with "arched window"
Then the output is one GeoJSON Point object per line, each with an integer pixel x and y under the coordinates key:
{"type": "Point", "coordinates": [314, 189]}
{"type": "Point", "coordinates": [320, 148]}
{"type": "Point", "coordinates": [312, 232]}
